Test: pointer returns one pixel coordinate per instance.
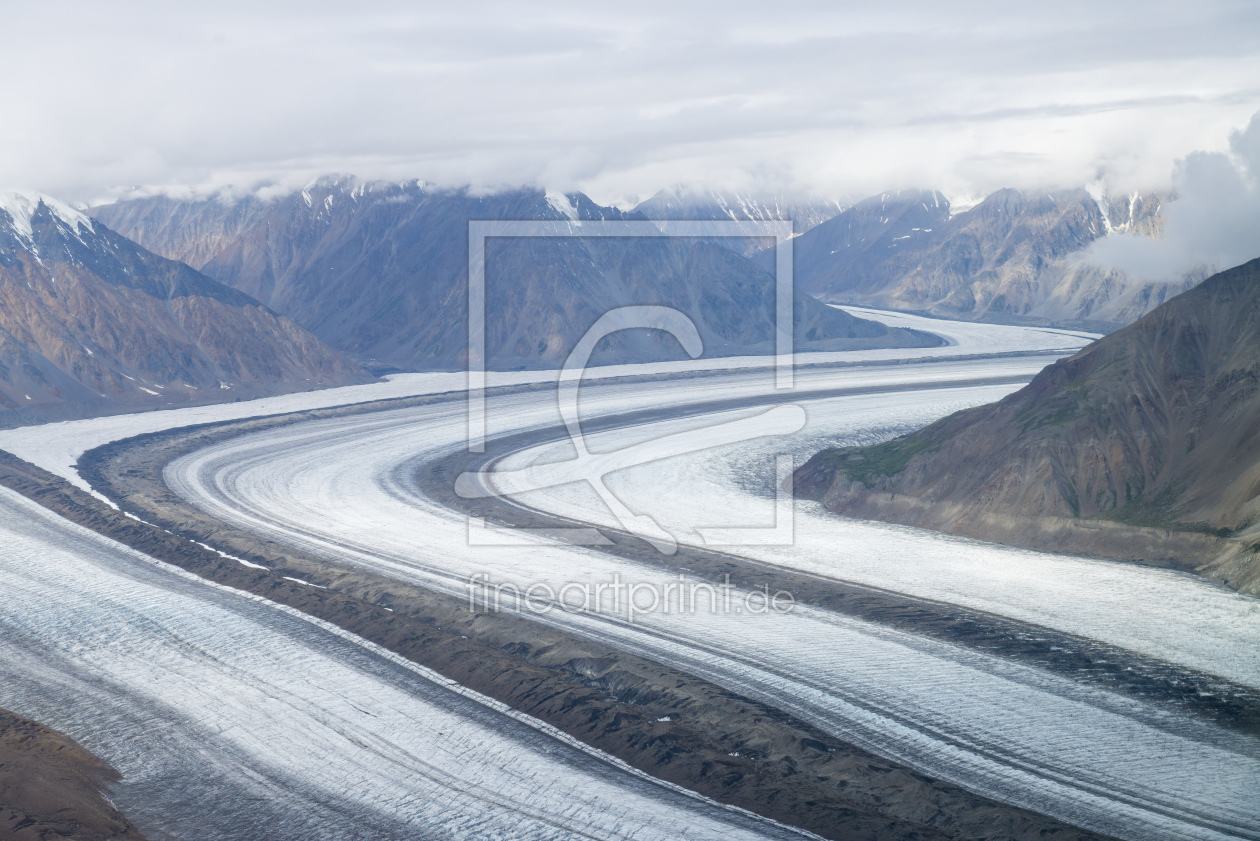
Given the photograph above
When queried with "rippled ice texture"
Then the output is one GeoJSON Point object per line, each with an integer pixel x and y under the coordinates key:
{"type": "Point", "coordinates": [232, 717]}
{"type": "Point", "coordinates": [345, 488]}
{"type": "Point", "coordinates": [1165, 614]}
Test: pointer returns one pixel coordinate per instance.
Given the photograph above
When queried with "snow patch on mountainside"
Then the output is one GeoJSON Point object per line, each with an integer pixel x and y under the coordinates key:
{"type": "Point", "coordinates": [22, 206]}
{"type": "Point", "coordinates": [963, 202]}
{"type": "Point", "coordinates": [681, 202]}
{"type": "Point", "coordinates": [562, 205]}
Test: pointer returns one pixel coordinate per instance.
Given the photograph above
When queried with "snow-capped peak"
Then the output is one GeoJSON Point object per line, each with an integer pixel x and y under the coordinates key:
{"type": "Point", "coordinates": [962, 202]}
{"type": "Point", "coordinates": [561, 204]}
{"type": "Point", "coordinates": [21, 206]}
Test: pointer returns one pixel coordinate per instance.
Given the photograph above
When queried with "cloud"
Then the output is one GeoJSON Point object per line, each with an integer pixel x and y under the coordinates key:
{"type": "Point", "coordinates": [619, 100]}
{"type": "Point", "coordinates": [1214, 222]}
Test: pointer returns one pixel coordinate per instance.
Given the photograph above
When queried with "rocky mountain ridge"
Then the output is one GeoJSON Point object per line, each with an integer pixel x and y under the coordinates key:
{"type": "Point", "coordinates": [1144, 446]}
{"type": "Point", "coordinates": [90, 322]}
{"type": "Point", "coordinates": [1012, 257]}
{"type": "Point", "coordinates": [379, 271]}
{"type": "Point", "coordinates": [690, 203]}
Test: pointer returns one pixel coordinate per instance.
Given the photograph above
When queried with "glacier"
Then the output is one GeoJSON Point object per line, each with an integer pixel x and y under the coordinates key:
{"type": "Point", "coordinates": [232, 672]}
{"type": "Point", "coordinates": [345, 488]}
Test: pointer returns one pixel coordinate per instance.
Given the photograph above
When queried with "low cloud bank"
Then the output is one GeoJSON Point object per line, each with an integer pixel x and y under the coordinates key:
{"type": "Point", "coordinates": [1214, 222]}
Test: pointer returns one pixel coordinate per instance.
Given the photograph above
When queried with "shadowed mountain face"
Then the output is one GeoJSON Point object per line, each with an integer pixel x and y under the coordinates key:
{"type": "Point", "coordinates": [858, 253]}
{"type": "Point", "coordinates": [1145, 445]}
{"type": "Point", "coordinates": [91, 322]}
{"type": "Point", "coordinates": [1009, 258]}
{"type": "Point", "coordinates": [379, 271]}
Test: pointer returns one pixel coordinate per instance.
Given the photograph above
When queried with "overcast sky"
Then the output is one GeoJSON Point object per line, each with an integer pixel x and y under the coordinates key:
{"type": "Point", "coordinates": [622, 99]}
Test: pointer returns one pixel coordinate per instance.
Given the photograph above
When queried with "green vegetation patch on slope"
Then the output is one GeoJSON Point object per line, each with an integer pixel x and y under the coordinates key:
{"type": "Point", "coordinates": [867, 464]}
{"type": "Point", "coordinates": [1159, 512]}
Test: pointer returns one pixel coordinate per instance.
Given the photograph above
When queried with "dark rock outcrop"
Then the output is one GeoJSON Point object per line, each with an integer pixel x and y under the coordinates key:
{"type": "Point", "coordinates": [52, 788]}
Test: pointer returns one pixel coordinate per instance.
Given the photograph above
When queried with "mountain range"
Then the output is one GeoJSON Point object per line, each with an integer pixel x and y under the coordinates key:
{"type": "Point", "coordinates": [298, 289]}
{"type": "Point", "coordinates": [90, 322]}
{"type": "Point", "coordinates": [379, 271]}
{"type": "Point", "coordinates": [685, 203]}
{"type": "Point", "coordinates": [1145, 445]}
{"type": "Point", "coordinates": [1013, 257]}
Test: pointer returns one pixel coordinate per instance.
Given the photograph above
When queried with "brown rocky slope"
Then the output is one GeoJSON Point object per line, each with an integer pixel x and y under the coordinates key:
{"type": "Point", "coordinates": [90, 322]}
{"type": "Point", "coordinates": [52, 788]}
{"type": "Point", "coordinates": [1143, 446]}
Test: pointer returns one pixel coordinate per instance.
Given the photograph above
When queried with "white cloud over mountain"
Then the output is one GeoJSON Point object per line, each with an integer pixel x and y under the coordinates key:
{"type": "Point", "coordinates": [1214, 223]}
{"type": "Point", "coordinates": [621, 100]}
